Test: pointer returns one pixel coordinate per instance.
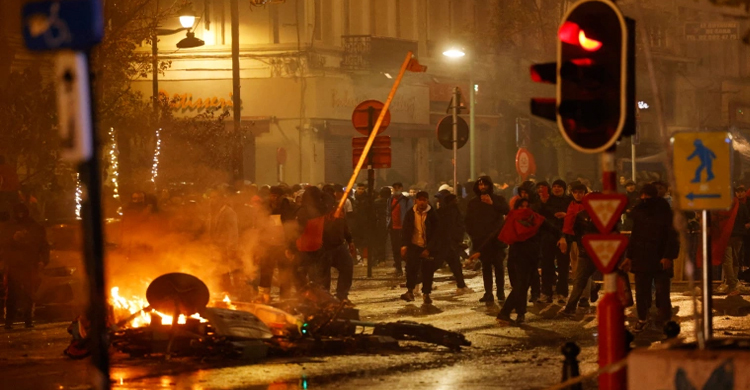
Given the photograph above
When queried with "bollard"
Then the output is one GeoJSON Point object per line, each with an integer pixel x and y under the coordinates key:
{"type": "Point", "coordinates": [671, 330]}
{"type": "Point", "coordinates": [570, 365]}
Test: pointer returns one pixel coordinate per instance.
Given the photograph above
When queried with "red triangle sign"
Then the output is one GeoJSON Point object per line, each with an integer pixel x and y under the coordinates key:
{"type": "Point", "coordinates": [605, 249]}
{"type": "Point", "coordinates": [605, 209]}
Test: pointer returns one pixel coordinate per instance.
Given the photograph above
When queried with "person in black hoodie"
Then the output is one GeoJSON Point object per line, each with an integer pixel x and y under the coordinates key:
{"type": "Point", "coordinates": [653, 246]}
{"type": "Point", "coordinates": [554, 207]}
{"type": "Point", "coordinates": [450, 236]}
{"type": "Point", "coordinates": [419, 246]}
{"type": "Point", "coordinates": [484, 218]}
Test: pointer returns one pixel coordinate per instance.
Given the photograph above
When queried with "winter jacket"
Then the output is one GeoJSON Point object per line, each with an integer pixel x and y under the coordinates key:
{"type": "Point", "coordinates": [743, 217]}
{"type": "Point", "coordinates": [555, 204]}
{"type": "Point", "coordinates": [653, 237]}
{"type": "Point", "coordinates": [335, 232]}
{"type": "Point", "coordinates": [431, 227]}
{"type": "Point", "coordinates": [406, 204]}
{"type": "Point", "coordinates": [450, 231]}
{"type": "Point", "coordinates": [381, 214]}
{"type": "Point", "coordinates": [582, 225]}
{"type": "Point", "coordinates": [483, 221]}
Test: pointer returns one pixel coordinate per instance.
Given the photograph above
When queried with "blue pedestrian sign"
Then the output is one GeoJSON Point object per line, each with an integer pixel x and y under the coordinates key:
{"type": "Point", "coordinates": [64, 24]}
{"type": "Point", "coordinates": [706, 158]}
{"type": "Point", "coordinates": [702, 163]}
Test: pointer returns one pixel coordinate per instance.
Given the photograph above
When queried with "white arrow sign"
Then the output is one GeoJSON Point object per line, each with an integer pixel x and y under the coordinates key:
{"type": "Point", "coordinates": [73, 105]}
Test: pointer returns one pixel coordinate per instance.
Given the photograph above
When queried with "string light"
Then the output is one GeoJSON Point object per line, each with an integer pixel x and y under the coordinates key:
{"type": "Point", "coordinates": [157, 152]}
{"type": "Point", "coordinates": [79, 196]}
{"type": "Point", "coordinates": [114, 163]}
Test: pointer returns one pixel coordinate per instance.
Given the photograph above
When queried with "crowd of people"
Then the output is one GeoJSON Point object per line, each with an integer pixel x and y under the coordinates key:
{"type": "Point", "coordinates": [532, 229]}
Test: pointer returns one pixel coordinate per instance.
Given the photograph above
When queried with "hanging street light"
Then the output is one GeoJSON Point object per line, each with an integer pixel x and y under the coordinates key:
{"type": "Point", "coordinates": [454, 52]}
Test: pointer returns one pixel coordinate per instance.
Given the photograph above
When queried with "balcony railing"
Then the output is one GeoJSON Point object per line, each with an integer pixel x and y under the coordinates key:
{"type": "Point", "coordinates": [370, 53]}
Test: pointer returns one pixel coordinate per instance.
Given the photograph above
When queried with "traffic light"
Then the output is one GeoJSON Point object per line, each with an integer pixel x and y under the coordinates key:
{"type": "Point", "coordinates": [594, 75]}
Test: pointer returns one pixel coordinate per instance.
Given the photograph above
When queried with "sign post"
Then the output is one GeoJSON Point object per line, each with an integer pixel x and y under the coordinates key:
{"type": "Point", "coordinates": [702, 164]}
{"type": "Point", "coordinates": [73, 27]}
{"type": "Point", "coordinates": [455, 103]}
{"type": "Point", "coordinates": [363, 119]}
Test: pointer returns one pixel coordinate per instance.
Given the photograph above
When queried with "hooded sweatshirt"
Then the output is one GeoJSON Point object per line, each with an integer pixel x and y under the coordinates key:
{"type": "Point", "coordinates": [483, 221]}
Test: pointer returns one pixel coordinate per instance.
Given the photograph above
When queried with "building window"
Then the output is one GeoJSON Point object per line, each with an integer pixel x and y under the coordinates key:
{"type": "Point", "coordinates": [318, 27]}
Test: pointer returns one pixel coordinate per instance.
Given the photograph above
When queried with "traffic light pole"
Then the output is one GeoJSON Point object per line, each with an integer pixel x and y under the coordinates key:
{"type": "Point", "coordinates": [456, 97]}
{"type": "Point", "coordinates": [610, 310]}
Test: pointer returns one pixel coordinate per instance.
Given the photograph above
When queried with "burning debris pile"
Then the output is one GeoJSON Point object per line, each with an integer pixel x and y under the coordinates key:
{"type": "Point", "coordinates": [317, 323]}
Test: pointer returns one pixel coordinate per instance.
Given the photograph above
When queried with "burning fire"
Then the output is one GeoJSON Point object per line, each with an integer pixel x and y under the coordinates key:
{"type": "Point", "coordinates": [137, 304]}
{"type": "Point", "coordinates": [228, 301]}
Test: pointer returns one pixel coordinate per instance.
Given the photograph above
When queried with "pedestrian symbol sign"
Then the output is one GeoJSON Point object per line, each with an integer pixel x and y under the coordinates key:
{"type": "Point", "coordinates": [702, 163]}
{"type": "Point", "coordinates": [706, 158]}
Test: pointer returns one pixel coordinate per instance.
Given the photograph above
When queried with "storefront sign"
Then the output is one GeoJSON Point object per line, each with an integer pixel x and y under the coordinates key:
{"type": "Point", "coordinates": [186, 102]}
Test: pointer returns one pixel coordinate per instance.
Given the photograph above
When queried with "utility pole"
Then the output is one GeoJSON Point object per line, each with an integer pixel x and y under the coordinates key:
{"type": "Point", "coordinates": [472, 130]}
{"type": "Point", "coordinates": [456, 103]}
{"type": "Point", "coordinates": [238, 170]}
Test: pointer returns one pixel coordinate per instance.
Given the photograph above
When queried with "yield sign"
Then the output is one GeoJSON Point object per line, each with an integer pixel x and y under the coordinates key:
{"type": "Point", "coordinates": [605, 249]}
{"type": "Point", "coordinates": [605, 209]}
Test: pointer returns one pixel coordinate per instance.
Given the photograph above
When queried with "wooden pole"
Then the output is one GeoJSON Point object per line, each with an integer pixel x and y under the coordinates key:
{"type": "Point", "coordinates": [373, 133]}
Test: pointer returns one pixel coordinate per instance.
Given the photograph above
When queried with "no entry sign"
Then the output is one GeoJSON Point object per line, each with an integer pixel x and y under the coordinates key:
{"type": "Point", "coordinates": [366, 114]}
{"type": "Point", "coordinates": [525, 164]}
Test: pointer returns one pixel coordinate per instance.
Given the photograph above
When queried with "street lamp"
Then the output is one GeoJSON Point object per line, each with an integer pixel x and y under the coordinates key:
{"type": "Point", "coordinates": [187, 17]}
{"type": "Point", "coordinates": [454, 52]}
{"type": "Point", "coordinates": [187, 20]}
{"type": "Point", "coordinates": [459, 52]}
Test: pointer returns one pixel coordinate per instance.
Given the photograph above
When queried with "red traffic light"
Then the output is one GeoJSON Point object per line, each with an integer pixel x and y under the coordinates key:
{"type": "Point", "coordinates": [588, 43]}
{"type": "Point", "coordinates": [568, 33]}
{"type": "Point", "coordinates": [572, 34]}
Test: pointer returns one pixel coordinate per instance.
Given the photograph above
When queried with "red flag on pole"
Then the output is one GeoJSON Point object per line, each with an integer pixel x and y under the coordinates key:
{"type": "Point", "coordinates": [415, 66]}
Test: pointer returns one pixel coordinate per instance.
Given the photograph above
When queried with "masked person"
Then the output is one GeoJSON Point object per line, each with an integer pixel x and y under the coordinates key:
{"type": "Point", "coordinates": [554, 208]}
{"type": "Point", "coordinates": [522, 231]}
{"type": "Point", "coordinates": [484, 217]}
{"type": "Point", "coordinates": [652, 248]}
{"type": "Point", "coordinates": [26, 253]}
{"type": "Point", "coordinates": [418, 246]}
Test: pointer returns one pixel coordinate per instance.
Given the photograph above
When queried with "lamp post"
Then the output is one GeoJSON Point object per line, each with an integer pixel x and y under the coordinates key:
{"type": "Point", "coordinates": [456, 52]}
{"type": "Point", "coordinates": [187, 20]}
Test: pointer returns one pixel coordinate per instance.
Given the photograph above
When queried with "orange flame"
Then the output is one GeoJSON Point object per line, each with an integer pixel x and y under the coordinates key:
{"type": "Point", "coordinates": [136, 304]}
